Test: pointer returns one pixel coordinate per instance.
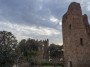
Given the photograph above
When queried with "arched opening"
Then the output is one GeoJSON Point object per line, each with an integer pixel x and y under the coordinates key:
{"type": "Point", "coordinates": [70, 64]}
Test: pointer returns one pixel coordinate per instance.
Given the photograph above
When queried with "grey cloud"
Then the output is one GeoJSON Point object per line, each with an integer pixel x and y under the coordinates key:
{"type": "Point", "coordinates": [28, 11]}
{"type": "Point", "coordinates": [36, 13]}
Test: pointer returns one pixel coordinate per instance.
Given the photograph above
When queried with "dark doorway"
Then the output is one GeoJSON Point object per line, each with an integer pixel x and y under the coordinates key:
{"type": "Point", "coordinates": [70, 64]}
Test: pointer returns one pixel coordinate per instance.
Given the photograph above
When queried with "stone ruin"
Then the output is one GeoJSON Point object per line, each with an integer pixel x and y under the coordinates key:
{"type": "Point", "coordinates": [76, 37]}
{"type": "Point", "coordinates": [42, 54]}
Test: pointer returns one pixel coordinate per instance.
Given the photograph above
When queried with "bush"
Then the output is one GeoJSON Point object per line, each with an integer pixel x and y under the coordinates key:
{"type": "Point", "coordinates": [51, 64]}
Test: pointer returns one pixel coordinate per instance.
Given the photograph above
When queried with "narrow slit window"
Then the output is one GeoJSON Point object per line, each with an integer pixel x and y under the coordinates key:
{"type": "Point", "coordinates": [70, 26]}
{"type": "Point", "coordinates": [81, 41]}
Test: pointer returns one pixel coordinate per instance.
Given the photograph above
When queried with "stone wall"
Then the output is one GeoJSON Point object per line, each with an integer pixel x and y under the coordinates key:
{"type": "Point", "coordinates": [42, 54]}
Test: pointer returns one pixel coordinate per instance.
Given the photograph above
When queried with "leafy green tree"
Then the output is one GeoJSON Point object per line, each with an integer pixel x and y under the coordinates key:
{"type": "Point", "coordinates": [56, 52]}
{"type": "Point", "coordinates": [28, 49]}
{"type": "Point", "coordinates": [8, 45]}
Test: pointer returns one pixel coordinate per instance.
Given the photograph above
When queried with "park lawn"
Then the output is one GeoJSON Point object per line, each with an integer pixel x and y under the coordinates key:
{"type": "Point", "coordinates": [51, 66]}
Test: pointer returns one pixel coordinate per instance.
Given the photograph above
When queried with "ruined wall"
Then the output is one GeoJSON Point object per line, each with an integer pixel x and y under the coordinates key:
{"type": "Point", "coordinates": [46, 53]}
{"type": "Point", "coordinates": [76, 40]}
{"type": "Point", "coordinates": [43, 54]}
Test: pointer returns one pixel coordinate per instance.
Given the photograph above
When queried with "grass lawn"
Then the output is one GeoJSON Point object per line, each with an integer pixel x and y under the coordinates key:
{"type": "Point", "coordinates": [51, 66]}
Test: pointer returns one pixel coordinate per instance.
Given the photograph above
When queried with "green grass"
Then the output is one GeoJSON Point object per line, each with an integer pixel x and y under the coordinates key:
{"type": "Point", "coordinates": [51, 66]}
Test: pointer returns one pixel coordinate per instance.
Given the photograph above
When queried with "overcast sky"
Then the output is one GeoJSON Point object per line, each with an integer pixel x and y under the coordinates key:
{"type": "Point", "coordinates": [38, 19]}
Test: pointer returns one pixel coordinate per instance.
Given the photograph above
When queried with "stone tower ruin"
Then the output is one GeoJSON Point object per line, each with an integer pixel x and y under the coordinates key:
{"type": "Point", "coordinates": [43, 54]}
{"type": "Point", "coordinates": [76, 37]}
{"type": "Point", "coordinates": [46, 53]}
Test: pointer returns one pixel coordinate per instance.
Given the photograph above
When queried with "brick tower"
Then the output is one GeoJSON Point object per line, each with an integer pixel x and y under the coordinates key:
{"type": "Point", "coordinates": [76, 37]}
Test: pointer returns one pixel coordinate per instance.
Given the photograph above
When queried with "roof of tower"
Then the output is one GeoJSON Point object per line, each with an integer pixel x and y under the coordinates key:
{"type": "Point", "coordinates": [75, 8]}
{"type": "Point", "coordinates": [74, 4]}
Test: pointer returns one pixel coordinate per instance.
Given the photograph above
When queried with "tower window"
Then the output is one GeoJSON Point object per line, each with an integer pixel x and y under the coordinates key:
{"type": "Point", "coordinates": [81, 41]}
{"type": "Point", "coordinates": [70, 26]}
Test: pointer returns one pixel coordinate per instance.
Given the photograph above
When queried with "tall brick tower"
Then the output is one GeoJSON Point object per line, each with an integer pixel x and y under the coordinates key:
{"type": "Point", "coordinates": [76, 37]}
